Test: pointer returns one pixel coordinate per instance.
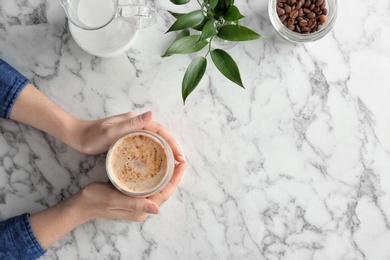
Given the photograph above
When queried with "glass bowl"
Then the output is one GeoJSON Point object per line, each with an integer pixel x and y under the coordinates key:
{"type": "Point", "coordinates": [299, 37]}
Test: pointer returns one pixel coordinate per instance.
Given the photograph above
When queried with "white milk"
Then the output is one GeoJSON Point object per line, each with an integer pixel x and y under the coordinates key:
{"type": "Point", "coordinates": [95, 13]}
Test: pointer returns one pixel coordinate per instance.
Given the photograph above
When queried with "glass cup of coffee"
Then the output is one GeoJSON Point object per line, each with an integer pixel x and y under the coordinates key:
{"type": "Point", "coordinates": [140, 163]}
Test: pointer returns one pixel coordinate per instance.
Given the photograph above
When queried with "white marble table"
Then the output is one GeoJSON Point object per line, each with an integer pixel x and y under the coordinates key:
{"type": "Point", "coordinates": [297, 166]}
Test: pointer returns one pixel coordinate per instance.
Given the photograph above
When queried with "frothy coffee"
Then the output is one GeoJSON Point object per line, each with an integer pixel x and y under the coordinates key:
{"type": "Point", "coordinates": [138, 163]}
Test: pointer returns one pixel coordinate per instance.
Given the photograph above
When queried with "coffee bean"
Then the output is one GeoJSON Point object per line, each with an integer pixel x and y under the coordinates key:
{"type": "Point", "coordinates": [294, 14]}
{"type": "Point", "coordinates": [302, 23]}
{"type": "Point", "coordinates": [313, 25]}
{"type": "Point", "coordinates": [281, 11]}
{"type": "Point", "coordinates": [302, 16]}
{"type": "Point", "coordinates": [290, 22]}
{"type": "Point", "coordinates": [311, 15]}
{"type": "Point", "coordinates": [322, 18]}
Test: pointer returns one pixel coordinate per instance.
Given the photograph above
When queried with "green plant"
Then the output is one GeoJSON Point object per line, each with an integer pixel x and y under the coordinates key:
{"type": "Point", "coordinates": [214, 19]}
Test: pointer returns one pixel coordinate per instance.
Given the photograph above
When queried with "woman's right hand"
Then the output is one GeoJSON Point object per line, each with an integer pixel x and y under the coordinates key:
{"type": "Point", "coordinates": [98, 200]}
{"type": "Point", "coordinates": [103, 200]}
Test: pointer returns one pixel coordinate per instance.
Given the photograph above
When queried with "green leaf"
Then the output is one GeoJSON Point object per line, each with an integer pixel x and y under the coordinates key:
{"type": "Point", "coordinates": [226, 65]}
{"type": "Point", "coordinates": [233, 14]}
{"type": "Point", "coordinates": [237, 33]}
{"type": "Point", "coordinates": [193, 75]}
{"type": "Point", "coordinates": [187, 21]}
{"type": "Point", "coordinates": [228, 2]}
{"type": "Point", "coordinates": [220, 9]}
{"type": "Point", "coordinates": [213, 4]}
{"type": "Point", "coordinates": [187, 44]}
{"type": "Point", "coordinates": [198, 27]}
{"type": "Point", "coordinates": [208, 30]}
{"type": "Point", "coordinates": [180, 2]}
{"type": "Point", "coordinates": [182, 34]}
{"type": "Point", "coordinates": [176, 15]}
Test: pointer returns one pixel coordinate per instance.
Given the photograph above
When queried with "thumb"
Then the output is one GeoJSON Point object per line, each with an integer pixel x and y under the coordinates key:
{"type": "Point", "coordinates": [151, 208]}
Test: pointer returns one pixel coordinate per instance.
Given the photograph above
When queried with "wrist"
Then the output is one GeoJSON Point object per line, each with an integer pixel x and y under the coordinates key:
{"type": "Point", "coordinates": [73, 134]}
{"type": "Point", "coordinates": [51, 224]}
{"type": "Point", "coordinates": [78, 208]}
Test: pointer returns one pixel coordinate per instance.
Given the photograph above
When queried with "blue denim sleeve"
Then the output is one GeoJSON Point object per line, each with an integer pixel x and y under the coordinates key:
{"type": "Point", "coordinates": [17, 240]}
{"type": "Point", "coordinates": [11, 84]}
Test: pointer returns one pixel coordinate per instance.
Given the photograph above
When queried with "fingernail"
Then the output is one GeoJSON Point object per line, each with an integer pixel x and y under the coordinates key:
{"type": "Point", "coordinates": [146, 116]}
{"type": "Point", "coordinates": [152, 209]}
{"type": "Point", "coordinates": [182, 158]}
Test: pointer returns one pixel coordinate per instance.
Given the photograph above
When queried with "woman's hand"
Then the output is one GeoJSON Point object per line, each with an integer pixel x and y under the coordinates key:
{"type": "Point", "coordinates": [96, 136]}
{"type": "Point", "coordinates": [92, 137]}
{"type": "Point", "coordinates": [89, 136]}
{"type": "Point", "coordinates": [103, 200]}
{"type": "Point", "coordinates": [98, 200]}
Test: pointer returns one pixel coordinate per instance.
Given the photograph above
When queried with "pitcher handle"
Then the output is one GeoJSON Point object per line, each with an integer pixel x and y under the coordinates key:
{"type": "Point", "coordinates": [145, 16]}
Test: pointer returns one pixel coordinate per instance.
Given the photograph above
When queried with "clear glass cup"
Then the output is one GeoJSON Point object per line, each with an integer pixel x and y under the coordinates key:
{"type": "Point", "coordinates": [132, 164]}
{"type": "Point", "coordinates": [299, 37]}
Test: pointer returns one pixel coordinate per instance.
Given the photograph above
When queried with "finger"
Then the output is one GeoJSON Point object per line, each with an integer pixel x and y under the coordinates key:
{"type": "Point", "coordinates": [158, 198]}
{"type": "Point", "coordinates": [160, 130]}
{"type": "Point", "coordinates": [163, 195]}
{"type": "Point", "coordinates": [133, 123]}
{"type": "Point", "coordinates": [121, 117]}
{"type": "Point", "coordinates": [136, 206]}
{"type": "Point", "coordinates": [125, 215]}
{"type": "Point", "coordinates": [152, 208]}
{"type": "Point", "coordinates": [137, 121]}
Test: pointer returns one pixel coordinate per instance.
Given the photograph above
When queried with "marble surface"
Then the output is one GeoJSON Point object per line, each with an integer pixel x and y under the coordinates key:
{"type": "Point", "coordinates": [296, 166]}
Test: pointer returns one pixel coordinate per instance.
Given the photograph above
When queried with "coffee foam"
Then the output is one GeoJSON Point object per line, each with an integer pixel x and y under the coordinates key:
{"type": "Point", "coordinates": [138, 163]}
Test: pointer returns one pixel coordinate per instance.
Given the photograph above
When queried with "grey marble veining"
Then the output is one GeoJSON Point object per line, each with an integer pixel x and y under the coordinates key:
{"type": "Point", "coordinates": [296, 166]}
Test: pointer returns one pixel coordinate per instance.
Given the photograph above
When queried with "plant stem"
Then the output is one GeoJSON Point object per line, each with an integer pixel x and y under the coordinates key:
{"type": "Point", "coordinates": [211, 39]}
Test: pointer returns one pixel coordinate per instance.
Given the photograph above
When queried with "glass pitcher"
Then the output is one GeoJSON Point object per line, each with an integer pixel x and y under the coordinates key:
{"type": "Point", "coordinates": [105, 28]}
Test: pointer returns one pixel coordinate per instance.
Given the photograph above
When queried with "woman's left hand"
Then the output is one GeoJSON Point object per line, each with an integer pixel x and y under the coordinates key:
{"type": "Point", "coordinates": [96, 136]}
